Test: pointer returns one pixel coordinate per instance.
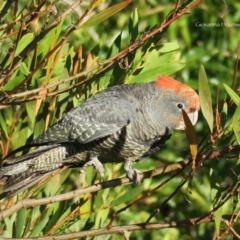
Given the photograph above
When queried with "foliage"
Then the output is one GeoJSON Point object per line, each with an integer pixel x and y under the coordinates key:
{"type": "Point", "coordinates": [57, 54]}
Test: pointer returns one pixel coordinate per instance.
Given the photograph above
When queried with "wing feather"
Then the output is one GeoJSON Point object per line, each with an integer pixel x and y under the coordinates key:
{"type": "Point", "coordinates": [100, 116]}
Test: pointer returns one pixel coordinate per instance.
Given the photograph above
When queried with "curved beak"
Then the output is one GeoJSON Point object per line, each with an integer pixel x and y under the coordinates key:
{"type": "Point", "coordinates": [193, 116]}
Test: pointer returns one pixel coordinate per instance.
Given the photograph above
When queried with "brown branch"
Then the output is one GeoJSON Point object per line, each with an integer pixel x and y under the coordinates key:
{"type": "Point", "coordinates": [29, 48]}
{"type": "Point", "coordinates": [27, 203]}
{"type": "Point", "coordinates": [146, 195]}
{"type": "Point", "coordinates": [228, 223]}
{"type": "Point", "coordinates": [106, 65]}
{"type": "Point", "coordinates": [132, 227]}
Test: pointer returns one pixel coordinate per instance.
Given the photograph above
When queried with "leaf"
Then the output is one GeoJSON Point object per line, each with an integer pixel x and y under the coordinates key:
{"type": "Point", "coordinates": [216, 199]}
{"type": "Point", "coordinates": [168, 47]}
{"type": "Point", "coordinates": [31, 109]}
{"type": "Point", "coordinates": [21, 129]}
{"type": "Point", "coordinates": [9, 225]}
{"type": "Point", "coordinates": [39, 126]}
{"type": "Point", "coordinates": [20, 222]}
{"type": "Point", "coordinates": [24, 69]}
{"type": "Point", "coordinates": [95, 3]}
{"type": "Point", "coordinates": [37, 230]}
{"type": "Point", "coordinates": [3, 125]}
{"type": "Point", "coordinates": [63, 97]}
{"type": "Point", "coordinates": [232, 94]}
{"type": "Point", "coordinates": [151, 74]}
{"type": "Point", "coordinates": [105, 14]}
{"type": "Point", "coordinates": [128, 196]}
{"type": "Point", "coordinates": [133, 26]}
{"type": "Point", "coordinates": [205, 97]}
{"type": "Point", "coordinates": [191, 136]}
{"type": "Point", "coordinates": [9, 86]}
{"type": "Point", "coordinates": [236, 123]}
{"type": "Point", "coordinates": [23, 43]}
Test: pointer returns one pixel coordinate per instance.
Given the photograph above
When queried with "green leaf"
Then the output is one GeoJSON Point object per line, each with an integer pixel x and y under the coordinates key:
{"type": "Point", "coordinates": [39, 227]}
{"type": "Point", "coordinates": [63, 97]}
{"type": "Point", "coordinates": [21, 129]}
{"type": "Point", "coordinates": [23, 43]}
{"type": "Point", "coordinates": [105, 14]}
{"type": "Point", "coordinates": [232, 94]}
{"type": "Point", "coordinates": [153, 59]}
{"type": "Point", "coordinates": [24, 69]}
{"type": "Point", "coordinates": [128, 196]}
{"type": "Point", "coordinates": [205, 97]}
{"type": "Point", "coordinates": [39, 124]}
{"type": "Point", "coordinates": [3, 124]}
{"type": "Point", "coordinates": [31, 112]}
{"type": "Point", "coordinates": [236, 123]}
{"type": "Point", "coordinates": [133, 26]}
{"type": "Point", "coordinates": [9, 222]}
{"type": "Point", "coordinates": [20, 221]}
{"type": "Point", "coordinates": [151, 74]}
{"type": "Point", "coordinates": [56, 212]}
{"type": "Point", "coordinates": [101, 218]}
{"type": "Point", "coordinates": [95, 3]}
{"type": "Point", "coordinates": [216, 199]}
{"type": "Point", "coordinates": [9, 86]}
{"type": "Point", "coordinates": [168, 47]}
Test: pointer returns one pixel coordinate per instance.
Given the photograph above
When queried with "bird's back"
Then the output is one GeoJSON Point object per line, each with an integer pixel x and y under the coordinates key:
{"type": "Point", "coordinates": [112, 124]}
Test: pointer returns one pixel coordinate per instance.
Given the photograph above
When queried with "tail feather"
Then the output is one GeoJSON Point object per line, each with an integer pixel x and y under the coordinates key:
{"type": "Point", "coordinates": [14, 187]}
{"type": "Point", "coordinates": [17, 174]}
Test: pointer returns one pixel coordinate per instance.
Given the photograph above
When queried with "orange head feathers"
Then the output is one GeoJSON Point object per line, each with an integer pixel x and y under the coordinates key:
{"type": "Point", "coordinates": [180, 89]}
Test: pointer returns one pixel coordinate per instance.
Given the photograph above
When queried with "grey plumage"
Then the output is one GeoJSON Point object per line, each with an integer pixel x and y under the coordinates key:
{"type": "Point", "coordinates": [121, 124]}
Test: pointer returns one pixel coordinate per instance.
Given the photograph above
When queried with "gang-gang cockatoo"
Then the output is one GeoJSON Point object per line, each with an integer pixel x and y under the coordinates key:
{"type": "Point", "coordinates": [121, 124]}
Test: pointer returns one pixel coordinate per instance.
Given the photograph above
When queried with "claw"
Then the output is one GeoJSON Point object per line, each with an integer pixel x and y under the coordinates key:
{"type": "Point", "coordinates": [96, 163]}
{"type": "Point", "coordinates": [132, 174]}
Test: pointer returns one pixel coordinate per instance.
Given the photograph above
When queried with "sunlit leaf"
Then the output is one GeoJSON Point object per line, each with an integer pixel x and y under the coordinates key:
{"type": "Point", "coordinates": [95, 3]}
{"type": "Point", "coordinates": [205, 97]}
{"type": "Point", "coordinates": [24, 69]}
{"type": "Point", "coordinates": [236, 123]}
{"type": "Point", "coordinates": [151, 74]}
{"type": "Point", "coordinates": [168, 47]}
{"type": "Point", "coordinates": [128, 196]}
{"type": "Point", "coordinates": [9, 86]}
{"type": "Point", "coordinates": [39, 227]}
{"type": "Point", "coordinates": [232, 94]}
{"type": "Point", "coordinates": [63, 98]}
{"type": "Point", "coordinates": [24, 41]}
{"type": "Point", "coordinates": [133, 26]}
{"type": "Point", "coordinates": [30, 107]}
{"type": "Point", "coordinates": [105, 14]}
{"type": "Point", "coordinates": [9, 224]}
{"type": "Point", "coordinates": [21, 221]}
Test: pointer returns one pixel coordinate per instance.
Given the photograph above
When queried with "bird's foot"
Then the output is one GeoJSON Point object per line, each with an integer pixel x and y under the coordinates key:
{"type": "Point", "coordinates": [96, 163]}
{"type": "Point", "coordinates": [132, 174]}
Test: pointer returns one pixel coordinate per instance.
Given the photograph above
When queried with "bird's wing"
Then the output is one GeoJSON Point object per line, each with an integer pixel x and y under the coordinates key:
{"type": "Point", "coordinates": [99, 117]}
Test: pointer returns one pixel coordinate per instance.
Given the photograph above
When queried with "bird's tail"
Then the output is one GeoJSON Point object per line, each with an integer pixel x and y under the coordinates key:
{"type": "Point", "coordinates": [19, 173]}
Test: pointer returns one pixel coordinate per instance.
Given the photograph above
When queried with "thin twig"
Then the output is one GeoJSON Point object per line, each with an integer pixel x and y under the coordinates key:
{"type": "Point", "coordinates": [26, 203]}
{"type": "Point", "coordinates": [131, 227]}
{"type": "Point", "coordinates": [106, 65]}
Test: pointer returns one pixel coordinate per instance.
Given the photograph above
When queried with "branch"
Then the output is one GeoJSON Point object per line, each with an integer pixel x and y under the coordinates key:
{"type": "Point", "coordinates": [133, 227]}
{"type": "Point", "coordinates": [27, 203]}
{"type": "Point", "coordinates": [103, 66]}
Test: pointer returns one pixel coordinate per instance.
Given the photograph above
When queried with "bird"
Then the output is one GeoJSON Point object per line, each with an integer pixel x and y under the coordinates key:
{"type": "Point", "coordinates": [121, 124]}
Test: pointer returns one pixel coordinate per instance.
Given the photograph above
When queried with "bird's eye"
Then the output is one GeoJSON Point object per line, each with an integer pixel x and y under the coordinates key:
{"type": "Point", "coordinates": [179, 105]}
